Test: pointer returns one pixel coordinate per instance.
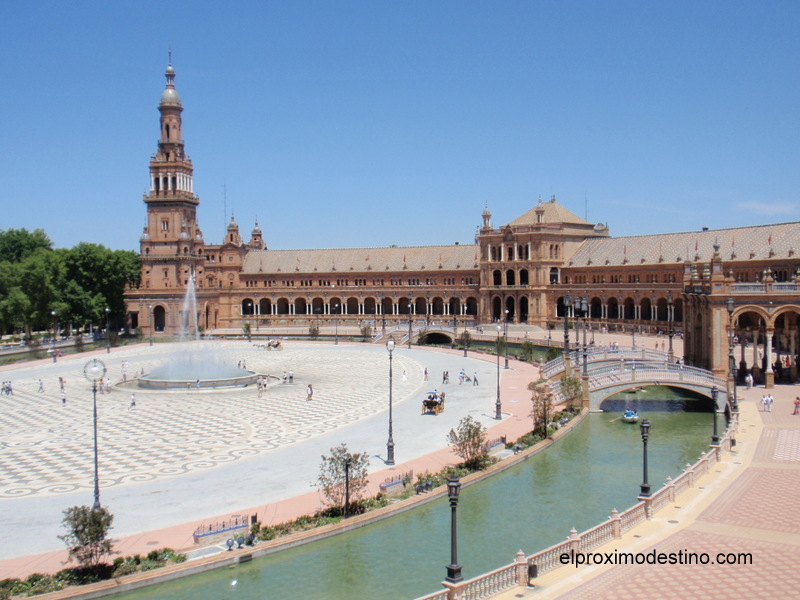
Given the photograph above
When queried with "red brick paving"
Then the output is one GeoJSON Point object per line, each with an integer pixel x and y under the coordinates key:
{"type": "Point", "coordinates": [757, 513]}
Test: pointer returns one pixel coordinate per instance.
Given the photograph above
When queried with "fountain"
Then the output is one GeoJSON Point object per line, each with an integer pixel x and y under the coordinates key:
{"type": "Point", "coordinates": [197, 364]}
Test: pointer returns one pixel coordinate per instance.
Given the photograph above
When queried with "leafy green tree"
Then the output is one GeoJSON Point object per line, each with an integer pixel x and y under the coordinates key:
{"type": "Point", "coordinates": [469, 443]}
{"type": "Point", "coordinates": [87, 534]}
{"type": "Point", "coordinates": [527, 350]}
{"type": "Point", "coordinates": [332, 480]}
{"type": "Point", "coordinates": [541, 406]}
{"type": "Point", "coordinates": [103, 276]}
{"type": "Point", "coordinates": [571, 388]}
{"type": "Point", "coordinates": [17, 244]}
{"type": "Point", "coordinates": [465, 339]}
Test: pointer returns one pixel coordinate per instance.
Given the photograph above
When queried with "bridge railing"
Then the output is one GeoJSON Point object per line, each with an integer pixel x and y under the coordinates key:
{"type": "Point", "coordinates": [518, 573]}
{"type": "Point", "coordinates": [603, 353]}
{"type": "Point", "coordinates": [605, 375]}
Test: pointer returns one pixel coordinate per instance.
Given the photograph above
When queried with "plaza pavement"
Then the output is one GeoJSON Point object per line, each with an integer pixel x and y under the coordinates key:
{"type": "Point", "coordinates": [186, 458]}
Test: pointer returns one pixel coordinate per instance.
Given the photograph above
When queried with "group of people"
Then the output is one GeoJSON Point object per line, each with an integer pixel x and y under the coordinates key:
{"type": "Point", "coordinates": [8, 389]}
{"type": "Point", "coordinates": [766, 402]}
{"type": "Point", "coordinates": [462, 377]}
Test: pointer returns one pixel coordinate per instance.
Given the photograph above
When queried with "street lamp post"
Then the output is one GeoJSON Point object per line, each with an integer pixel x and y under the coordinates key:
{"type": "Point", "coordinates": [644, 426]}
{"type": "Point", "coordinates": [94, 371]}
{"type": "Point", "coordinates": [731, 357]}
{"type": "Point", "coordinates": [584, 314]}
{"type": "Point", "coordinates": [409, 326]}
{"type": "Point", "coordinates": [567, 306]}
{"type": "Point", "coordinates": [383, 315]}
{"type": "Point", "coordinates": [348, 462]}
{"type": "Point", "coordinates": [670, 308]}
{"type": "Point", "coordinates": [152, 322]}
{"type": "Point", "coordinates": [576, 314]}
{"type": "Point", "coordinates": [427, 310]}
{"type": "Point", "coordinates": [453, 569]}
{"type": "Point", "coordinates": [390, 442]}
{"type": "Point", "coordinates": [715, 436]}
{"type": "Point", "coordinates": [108, 331]}
{"type": "Point", "coordinates": [497, 406]}
{"type": "Point", "coordinates": [55, 335]}
{"type": "Point", "coordinates": [249, 312]}
{"type": "Point", "coordinates": [336, 324]}
{"type": "Point", "coordinates": [505, 338]}
{"type": "Point", "coordinates": [464, 313]}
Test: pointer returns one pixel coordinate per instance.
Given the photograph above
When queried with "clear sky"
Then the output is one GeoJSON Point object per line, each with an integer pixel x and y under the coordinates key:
{"type": "Point", "coordinates": [358, 124]}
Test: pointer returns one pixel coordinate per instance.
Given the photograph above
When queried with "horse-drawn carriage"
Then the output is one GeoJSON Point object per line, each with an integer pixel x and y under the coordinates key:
{"type": "Point", "coordinates": [433, 404]}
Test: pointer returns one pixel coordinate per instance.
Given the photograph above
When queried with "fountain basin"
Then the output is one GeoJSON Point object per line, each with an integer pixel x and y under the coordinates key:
{"type": "Point", "coordinates": [147, 382]}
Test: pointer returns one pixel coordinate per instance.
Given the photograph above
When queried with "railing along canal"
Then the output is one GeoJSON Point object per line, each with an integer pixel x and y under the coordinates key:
{"type": "Point", "coordinates": [520, 572]}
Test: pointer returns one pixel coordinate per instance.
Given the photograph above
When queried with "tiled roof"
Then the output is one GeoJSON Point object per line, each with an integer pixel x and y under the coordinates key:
{"type": "Point", "coordinates": [360, 260]}
{"type": "Point", "coordinates": [762, 242]}
{"type": "Point", "coordinates": [552, 212]}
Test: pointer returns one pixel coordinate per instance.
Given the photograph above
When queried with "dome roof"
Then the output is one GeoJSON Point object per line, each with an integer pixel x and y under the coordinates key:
{"type": "Point", "coordinates": [170, 96]}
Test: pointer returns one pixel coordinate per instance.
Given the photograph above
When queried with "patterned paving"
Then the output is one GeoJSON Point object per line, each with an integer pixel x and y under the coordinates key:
{"type": "Point", "coordinates": [47, 448]}
{"type": "Point", "coordinates": [787, 446]}
{"type": "Point", "coordinates": [772, 562]}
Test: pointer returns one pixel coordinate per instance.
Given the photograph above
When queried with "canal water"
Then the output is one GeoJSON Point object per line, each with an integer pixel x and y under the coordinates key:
{"type": "Point", "coordinates": [574, 483]}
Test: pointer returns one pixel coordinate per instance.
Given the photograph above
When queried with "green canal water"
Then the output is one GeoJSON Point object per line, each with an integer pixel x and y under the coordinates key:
{"type": "Point", "coordinates": [575, 483]}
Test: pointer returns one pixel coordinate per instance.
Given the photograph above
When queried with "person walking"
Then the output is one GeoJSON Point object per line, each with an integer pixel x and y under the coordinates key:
{"type": "Point", "coordinates": [63, 398]}
{"type": "Point", "coordinates": [41, 387]}
{"type": "Point", "coordinates": [474, 379]}
{"type": "Point", "coordinates": [133, 401]}
{"type": "Point", "coordinates": [796, 405]}
{"type": "Point", "coordinates": [309, 392]}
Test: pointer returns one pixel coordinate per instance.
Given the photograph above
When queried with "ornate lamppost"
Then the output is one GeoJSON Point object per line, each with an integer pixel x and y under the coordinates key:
{"type": "Point", "coordinates": [567, 306]}
{"type": "Point", "coordinates": [670, 317]}
{"type": "Point", "coordinates": [390, 442]}
{"type": "Point", "coordinates": [731, 357]}
{"type": "Point", "coordinates": [505, 338]}
{"type": "Point", "coordinates": [152, 322]}
{"type": "Point", "coordinates": [464, 304]}
{"type": "Point", "coordinates": [94, 371]}
{"type": "Point", "coordinates": [715, 436]}
{"type": "Point", "coordinates": [336, 323]}
{"type": "Point", "coordinates": [584, 314]}
{"type": "Point", "coordinates": [409, 326]}
{"type": "Point", "coordinates": [55, 335]}
{"type": "Point", "coordinates": [497, 413]}
{"type": "Point", "coordinates": [383, 315]}
{"type": "Point", "coordinates": [249, 312]}
{"type": "Point", "coordinates": [453, 569]}
{"type": "Point", "coordinates": [644, 427]}
{"type": "Point", "coordinates": [108, 331]}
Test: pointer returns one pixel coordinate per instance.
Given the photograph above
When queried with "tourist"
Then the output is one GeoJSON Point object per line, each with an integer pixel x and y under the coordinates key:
{"type": "Point", "coordinates": [796, 405]}
{"type": "Point", "coordinates": [133, 401]}
{"type": "Point", "coordinates": [63, 398]}
{"type": "Point", "coordinates": [41, 386]}
{"type": "Point", "coordinates": [309, 392]}
{"type": "Point", "coordinates": [475, 379]}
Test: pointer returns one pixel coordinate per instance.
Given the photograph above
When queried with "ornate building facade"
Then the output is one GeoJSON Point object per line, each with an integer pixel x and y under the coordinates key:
{"type": "Point", "coordinates": [709, 286]}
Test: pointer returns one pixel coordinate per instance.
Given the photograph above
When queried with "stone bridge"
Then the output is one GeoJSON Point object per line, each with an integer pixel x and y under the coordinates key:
{"type": "Point", "coordinates": [446, 334]}
{"type": "Point", "coordinates": [609, 373]}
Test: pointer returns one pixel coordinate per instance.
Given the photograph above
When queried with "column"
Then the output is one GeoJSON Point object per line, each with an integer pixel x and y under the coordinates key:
{"type": "Point", "coordinates": [152, 182]}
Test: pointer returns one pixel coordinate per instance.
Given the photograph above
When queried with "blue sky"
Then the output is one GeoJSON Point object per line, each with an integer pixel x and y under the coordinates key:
{"type": "Point", "coordinates": [358, 124]}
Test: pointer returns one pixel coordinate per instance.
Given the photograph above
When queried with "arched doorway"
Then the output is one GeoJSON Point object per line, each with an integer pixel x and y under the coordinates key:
{"type": "Point", "coordinates": [159, 318]}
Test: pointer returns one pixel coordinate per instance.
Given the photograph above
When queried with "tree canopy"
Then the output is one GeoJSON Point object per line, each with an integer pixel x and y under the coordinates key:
{"type": "Point", "coordinates": [77, 283]}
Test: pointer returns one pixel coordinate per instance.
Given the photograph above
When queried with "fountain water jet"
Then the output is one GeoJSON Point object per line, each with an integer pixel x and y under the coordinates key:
{"type": "Point", "coordinates": [197, 363]}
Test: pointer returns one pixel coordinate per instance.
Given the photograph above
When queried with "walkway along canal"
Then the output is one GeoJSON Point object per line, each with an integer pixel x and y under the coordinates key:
{"type": "Point", "coordinates": [575, 483]}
